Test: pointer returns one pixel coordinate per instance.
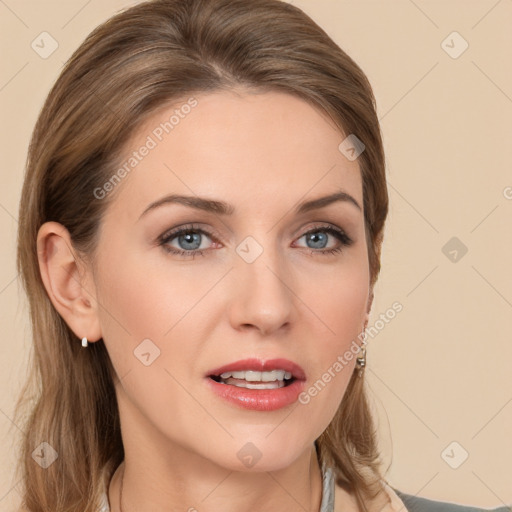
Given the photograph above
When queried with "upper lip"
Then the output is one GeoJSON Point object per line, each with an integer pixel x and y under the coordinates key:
{"type": "Point", "coordinates": [261, 365]}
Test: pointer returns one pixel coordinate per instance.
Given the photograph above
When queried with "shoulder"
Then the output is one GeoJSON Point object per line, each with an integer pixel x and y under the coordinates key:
{"type": "Point", "coordinates": [418, 504]}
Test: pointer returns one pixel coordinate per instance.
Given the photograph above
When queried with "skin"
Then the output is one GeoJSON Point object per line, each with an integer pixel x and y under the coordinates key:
{"type": "Point", "coordinates": [262, 153]}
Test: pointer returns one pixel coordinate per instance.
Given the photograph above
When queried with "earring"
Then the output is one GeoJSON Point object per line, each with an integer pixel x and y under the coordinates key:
{"type": "Point", "coordinates": [361, 360]}
{"type": "Point", "coordinates": [84, 342]}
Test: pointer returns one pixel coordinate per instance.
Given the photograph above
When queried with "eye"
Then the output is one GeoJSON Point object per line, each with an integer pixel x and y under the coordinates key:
{"type": "Point", "coordinates": [318, 238]}
{"type": "Point", "coordinates": [189, 239]}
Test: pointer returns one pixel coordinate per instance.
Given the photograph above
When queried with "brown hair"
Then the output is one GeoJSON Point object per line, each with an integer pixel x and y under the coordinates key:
{"type": "Point", "coordinates": [127, 69]}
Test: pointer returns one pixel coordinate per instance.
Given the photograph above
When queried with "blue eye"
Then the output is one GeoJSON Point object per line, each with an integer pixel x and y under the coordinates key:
{"type": "Point", "coordinates": [318, 237]}
{"type": "Point", "coordinates": [189, 238]}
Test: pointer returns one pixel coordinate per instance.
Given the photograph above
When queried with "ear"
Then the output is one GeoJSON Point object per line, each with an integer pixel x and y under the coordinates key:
{"type": "Point", "coordinates": [68, 282]}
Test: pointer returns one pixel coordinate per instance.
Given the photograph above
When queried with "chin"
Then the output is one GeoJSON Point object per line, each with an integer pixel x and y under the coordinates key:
{"type": "Point", "coordinates": [261, 455]}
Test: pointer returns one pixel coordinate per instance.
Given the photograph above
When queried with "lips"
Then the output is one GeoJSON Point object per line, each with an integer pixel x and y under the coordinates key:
{"type": "Point", "coordinates": [262, 399]}
{"type": "Point", "coordinates": [259, 365]}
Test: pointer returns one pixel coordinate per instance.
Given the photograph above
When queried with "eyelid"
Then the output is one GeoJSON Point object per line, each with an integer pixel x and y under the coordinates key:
{"type": "Point", "coordinates": [188, 226]}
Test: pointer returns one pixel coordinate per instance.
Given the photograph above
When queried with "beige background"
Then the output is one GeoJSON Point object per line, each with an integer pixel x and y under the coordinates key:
{"type": "Point", "coordinates": [439, 372]}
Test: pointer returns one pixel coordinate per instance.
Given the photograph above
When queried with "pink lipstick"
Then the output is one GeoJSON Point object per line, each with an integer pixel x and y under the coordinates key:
{"type": "Point", "coordinates": [257, 384]}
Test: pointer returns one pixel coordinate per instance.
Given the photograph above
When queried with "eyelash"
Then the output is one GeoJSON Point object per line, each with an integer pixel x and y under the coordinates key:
{"type": "Point", "coordinates": [342, 237]}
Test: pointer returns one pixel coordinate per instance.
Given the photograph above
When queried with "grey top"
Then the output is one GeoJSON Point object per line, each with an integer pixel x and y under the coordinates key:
{"type": "Point", "coordinates": [418, 504]}
{"type": "Point", "coordinates": [327, 504]}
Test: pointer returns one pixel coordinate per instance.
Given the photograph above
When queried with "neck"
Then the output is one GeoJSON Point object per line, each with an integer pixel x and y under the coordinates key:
{"type": "Point", "coordinates": [292, 489]}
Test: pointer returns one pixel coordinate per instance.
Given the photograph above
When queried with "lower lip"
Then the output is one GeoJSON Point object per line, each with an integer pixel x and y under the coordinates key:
{"type": "Point", "coordinates": [258, 399]}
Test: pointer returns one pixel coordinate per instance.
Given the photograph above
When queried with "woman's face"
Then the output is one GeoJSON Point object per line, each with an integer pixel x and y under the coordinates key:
{"type": "Point", "coordinates": [245, 283]}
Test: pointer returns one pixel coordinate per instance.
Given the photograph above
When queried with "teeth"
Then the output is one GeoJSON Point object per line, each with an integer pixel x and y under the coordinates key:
{"type": "Point", "coordinates": [248, 385]}
{"type": "Point", "coordinates": [252, 376]}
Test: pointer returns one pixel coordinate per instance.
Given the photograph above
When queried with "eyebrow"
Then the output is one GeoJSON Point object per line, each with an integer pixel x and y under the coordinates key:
{"type": "Point", "coordinates": [223, 208]}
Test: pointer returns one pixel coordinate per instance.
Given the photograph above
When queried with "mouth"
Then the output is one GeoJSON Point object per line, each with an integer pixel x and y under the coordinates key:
{"type": "Point", "coordinates": [258, 374]}
{"type": "Point", "coordinates": [258, 385]}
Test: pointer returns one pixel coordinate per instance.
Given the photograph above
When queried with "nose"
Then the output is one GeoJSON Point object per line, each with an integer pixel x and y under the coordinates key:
{"type": "Point", "coordinates": [262, 297]}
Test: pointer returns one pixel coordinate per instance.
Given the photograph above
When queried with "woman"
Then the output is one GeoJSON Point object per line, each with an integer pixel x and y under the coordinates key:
{"type": "Point", "coordinates": [200, 233]}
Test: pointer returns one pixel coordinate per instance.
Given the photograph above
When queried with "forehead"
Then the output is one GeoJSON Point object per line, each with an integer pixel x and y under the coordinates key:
{"type": "Point", "coordinates": [268, 149]}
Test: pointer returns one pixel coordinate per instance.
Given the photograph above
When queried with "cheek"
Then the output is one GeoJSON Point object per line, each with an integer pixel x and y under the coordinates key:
{"type": "Point", "coordinates": [153, 308]}
{"type": "Point", "coordinates": [148, 319]}
{"type": "Point", "coordinates": [339, 305]}
{"type": "Point", "coordinates": [140, 300]}
{"type": "Point", "coordinates": [338, 299]}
